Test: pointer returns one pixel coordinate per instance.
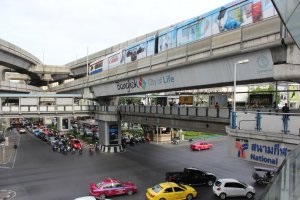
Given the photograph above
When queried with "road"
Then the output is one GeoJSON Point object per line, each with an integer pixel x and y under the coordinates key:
{"type": "Point", "coordinates": [39, 173]}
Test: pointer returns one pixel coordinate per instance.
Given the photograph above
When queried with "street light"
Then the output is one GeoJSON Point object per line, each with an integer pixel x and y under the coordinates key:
{"type": "Point", "coordinates": [234, 81]}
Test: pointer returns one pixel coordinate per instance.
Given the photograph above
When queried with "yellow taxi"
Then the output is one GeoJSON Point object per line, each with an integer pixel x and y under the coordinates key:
{"type": "Point", "coordinates": [171, 191]}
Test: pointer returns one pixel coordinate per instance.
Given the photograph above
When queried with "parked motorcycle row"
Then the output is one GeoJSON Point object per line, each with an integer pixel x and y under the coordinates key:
{"type": "Point", "coordinates": [133, 141]}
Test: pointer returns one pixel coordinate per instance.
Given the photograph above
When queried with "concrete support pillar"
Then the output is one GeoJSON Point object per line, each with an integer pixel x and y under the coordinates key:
{"type": "Point", "coordinates": [63, 123]}
{"type": "Point", "coordinates": [110, 136]}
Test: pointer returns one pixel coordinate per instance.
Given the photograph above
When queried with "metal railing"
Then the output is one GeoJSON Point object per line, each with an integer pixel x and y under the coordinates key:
{"type": "Point", "coordinates": [270, 122]}
{"type": "Point", "coordinates": [40, 109]}
{"type": "Point", "coordinates": [177, 110]}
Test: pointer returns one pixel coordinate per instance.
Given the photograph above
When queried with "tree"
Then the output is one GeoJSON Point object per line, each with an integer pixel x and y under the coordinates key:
{"type": "Point", "coordinates": [268, 89]}
{"type": "Point", "coordinates": [130, 100]}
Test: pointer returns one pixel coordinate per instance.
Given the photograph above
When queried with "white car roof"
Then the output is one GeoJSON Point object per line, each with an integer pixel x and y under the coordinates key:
{"type": "Point", "coordinates": [229, 180]}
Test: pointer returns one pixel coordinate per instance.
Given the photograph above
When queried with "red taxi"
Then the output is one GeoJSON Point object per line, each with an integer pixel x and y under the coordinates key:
{"type": "Point", "coordinates": [200, 145]}
{"type": "Point", "coordinates": [112, 187]}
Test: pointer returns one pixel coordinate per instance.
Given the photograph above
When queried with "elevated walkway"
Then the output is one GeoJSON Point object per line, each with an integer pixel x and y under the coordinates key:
{"type": "Point", "coordinates": [7, 86]}
{"type": "Point", "coordinates": [41, 104]}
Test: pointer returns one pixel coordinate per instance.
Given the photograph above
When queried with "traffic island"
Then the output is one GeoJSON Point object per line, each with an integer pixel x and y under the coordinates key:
{"type": "Point", "coordinates": [116, 148]}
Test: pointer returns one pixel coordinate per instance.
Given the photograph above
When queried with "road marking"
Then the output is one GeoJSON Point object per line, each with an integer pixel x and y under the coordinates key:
{"type": "Point", "coordinates": [7, 194]}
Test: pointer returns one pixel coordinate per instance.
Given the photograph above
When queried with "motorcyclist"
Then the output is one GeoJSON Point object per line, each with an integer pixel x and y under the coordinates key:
{"type": "Point", "coordinates": [97, 147]}
{"type": "Point", "coordinates": [91, 148]}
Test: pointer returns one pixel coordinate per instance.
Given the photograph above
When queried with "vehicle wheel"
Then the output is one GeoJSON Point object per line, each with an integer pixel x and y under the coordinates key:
{"type": "Point", "coordinates": [210, 183]}
{"type": "Point", "coordinates": [222, 196]}
{"type": "Point", "coordinates": [162, 199]}
{"type": "Point", "coordinates": [129, 192]}
{"type": "Point", "coordinates": [189, 197]}
{"type": "Point", "coordinates": [249, 195]}
{"type": "Point", "coordinates": [102, 196]}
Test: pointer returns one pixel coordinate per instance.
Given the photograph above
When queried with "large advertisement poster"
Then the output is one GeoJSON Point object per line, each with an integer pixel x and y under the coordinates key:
{"type": "Point", "coordinates": [115, 59]}
{"type": "Point", "coordinates": [136, 52]}
{"type": "Point", "coordinates": [194, 30]}
{"type": "Point", "coordinates": [268, 9]}
{"type": "Point", "coordinates": [167, 40]}
{"type": "Point", "coordinates": [151, 47]}
{"type": "Point", "coordinates": [227, 18]}
{"type": "Point", "coordinates": [231, 20]}
{"type": "Point", "coordinates": [113, 134]}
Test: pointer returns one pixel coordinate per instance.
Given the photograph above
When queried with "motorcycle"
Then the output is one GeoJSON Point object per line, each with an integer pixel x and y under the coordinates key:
{"type": "Point", "coordinates": [80, 151]}
{"type": "Point", "coordinates": [73, 150]}
{"type": "Point", "coordinates": [54, 148]}
{"type": "Point", "coordinates": [263, 175]}
{"type": "Point", "coordinates": [174, 141]}
{"type": "Point", "coordinates": [91, 149]}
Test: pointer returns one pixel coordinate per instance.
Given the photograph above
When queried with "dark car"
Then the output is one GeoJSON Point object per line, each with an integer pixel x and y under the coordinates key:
{"type": "Point", "coordinates": [192, 176]}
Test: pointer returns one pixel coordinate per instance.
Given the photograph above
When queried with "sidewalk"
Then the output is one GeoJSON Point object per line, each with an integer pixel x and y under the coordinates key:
{"type": "Point", "coordinates": [7, 150]}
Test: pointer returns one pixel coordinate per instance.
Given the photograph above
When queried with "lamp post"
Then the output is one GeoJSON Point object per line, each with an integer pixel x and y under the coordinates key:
{"type": "Point", "coordinates": [87, 61]}
{"type": "Point", "coordinates": [234, 81]}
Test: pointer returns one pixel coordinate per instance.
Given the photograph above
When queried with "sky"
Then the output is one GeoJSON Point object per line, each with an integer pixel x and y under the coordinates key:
{"type": "Point", "coordinates": [61, 31]}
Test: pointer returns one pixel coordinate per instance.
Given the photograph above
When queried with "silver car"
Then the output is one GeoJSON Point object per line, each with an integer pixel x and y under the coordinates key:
{"type": "Point", "coordinates": [232, 188]}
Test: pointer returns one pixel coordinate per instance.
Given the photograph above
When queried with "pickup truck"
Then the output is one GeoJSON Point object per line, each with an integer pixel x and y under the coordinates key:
{"type": "Point", "coordinates": [191, 176]}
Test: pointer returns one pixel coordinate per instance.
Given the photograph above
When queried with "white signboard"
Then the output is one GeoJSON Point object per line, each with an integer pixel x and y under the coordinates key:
{"type": "Point", "coordinates": [263, 152]}
{"type": "Point", "coordinates": [29, 101]}
{"type": "Point", "coordinates": [64, 101]}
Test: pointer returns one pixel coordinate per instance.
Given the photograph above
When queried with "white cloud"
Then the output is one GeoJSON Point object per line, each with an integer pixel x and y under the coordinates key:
{"type": "Point", "coordinates": [63, 29]}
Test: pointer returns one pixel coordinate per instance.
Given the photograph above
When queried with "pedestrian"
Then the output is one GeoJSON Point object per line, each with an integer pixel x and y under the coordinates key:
{"type": "Point", "coordinates": [229, 106]}
{"type": "Point", "coordinates": [285, 117]}
{"type": "Point", "coordinates": [217, 105]}
{"type": "Point", "coordinates": [285, 108]}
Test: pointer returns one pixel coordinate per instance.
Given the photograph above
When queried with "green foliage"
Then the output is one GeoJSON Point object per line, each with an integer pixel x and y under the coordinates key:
{"type": "Point", "coordinates": [199, 135]}
{"type": "Point", "coordinates": [128, 101]}
{"type": "Point", "coordinates": [270, 89]}
{"type": "Point", "coordinates": [54, 127]}
{"type": "Point", "coordinates": [87, 140]}
{"type": "Point", "coordinates": [134, 132]}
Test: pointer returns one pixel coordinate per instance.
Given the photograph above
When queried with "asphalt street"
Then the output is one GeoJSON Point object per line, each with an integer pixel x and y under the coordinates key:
{"type": "Point", "coordinates": [39, 173]}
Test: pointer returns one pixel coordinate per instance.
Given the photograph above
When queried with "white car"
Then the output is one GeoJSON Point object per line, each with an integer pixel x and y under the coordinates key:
{"type": "Point", "coordinates": [232, 188]}
{"type": "Point", "coordinates": [22, 131]}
